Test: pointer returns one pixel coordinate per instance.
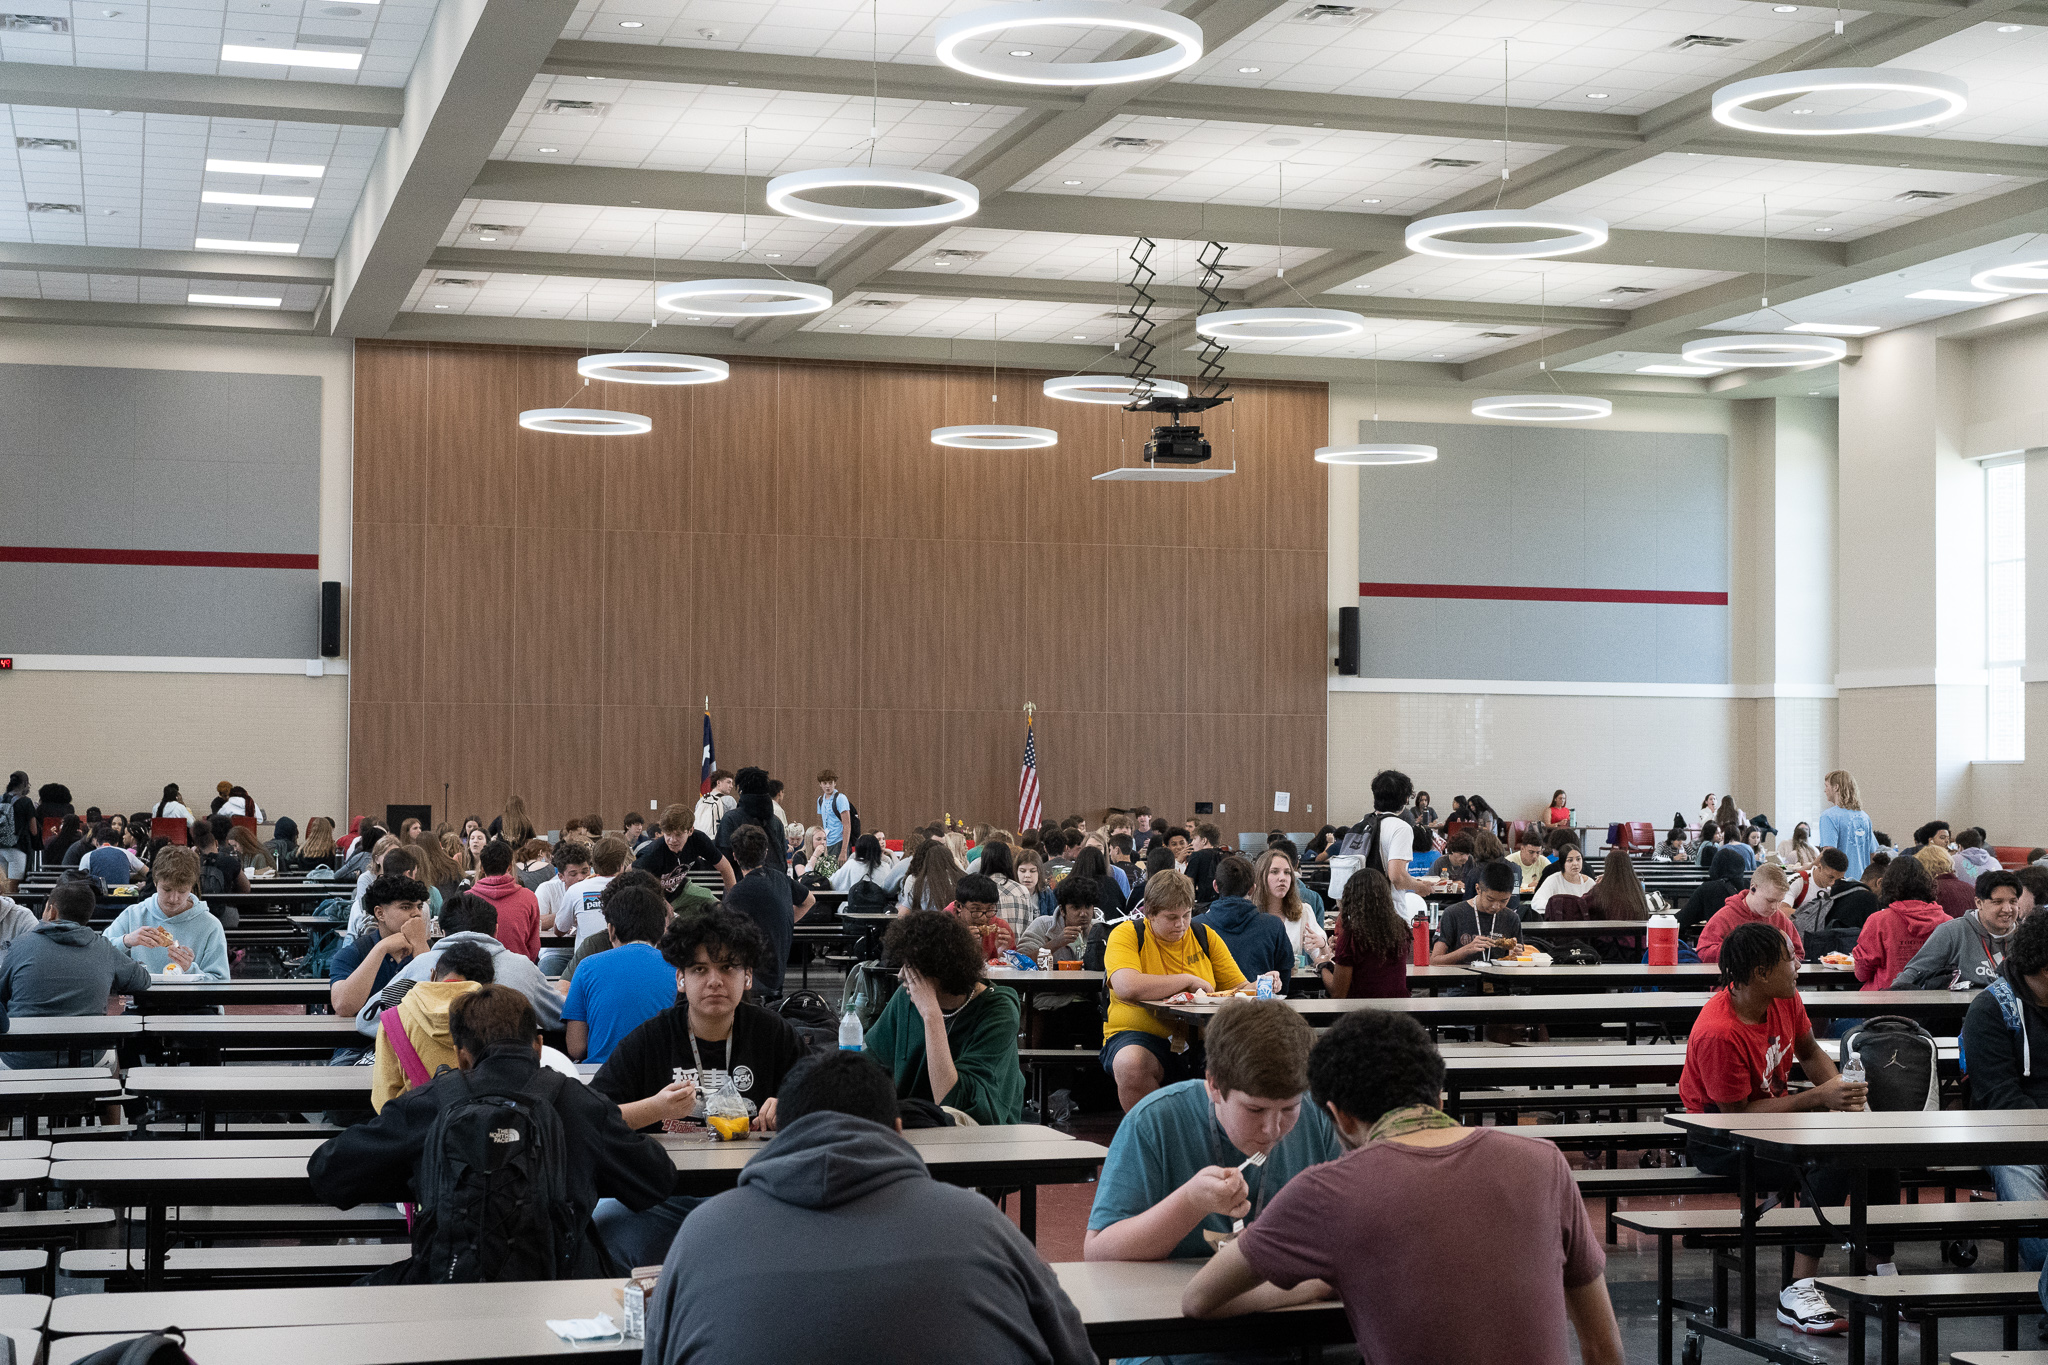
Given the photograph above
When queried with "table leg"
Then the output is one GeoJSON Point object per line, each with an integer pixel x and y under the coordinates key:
{"type": "Point", "coordinates": [1930, 1341]}
{"type": "Point", "coordinates": [1027, 1212]}
{"type": "Point", "coordinates": [1745, 1187]}
{"type": "Point", "coordinates": [1859, 1220]}
{"type": "Point", "coordinates": [1858, 1325]}
{"type": "Point", "coordinates": [1664, 1290]}
{"type": "Point", "coordinates": [155, 1242]}
{"type": "Point", "coordinates": [1888, 1337]}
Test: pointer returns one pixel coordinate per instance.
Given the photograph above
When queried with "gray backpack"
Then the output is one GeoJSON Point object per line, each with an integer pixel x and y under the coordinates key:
{"type": "Point", "coordinates": [1900, 1063]}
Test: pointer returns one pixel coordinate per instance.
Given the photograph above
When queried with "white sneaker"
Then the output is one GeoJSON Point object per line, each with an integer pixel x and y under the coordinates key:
{"type": "Point", "coordinates": [1803, 1308]}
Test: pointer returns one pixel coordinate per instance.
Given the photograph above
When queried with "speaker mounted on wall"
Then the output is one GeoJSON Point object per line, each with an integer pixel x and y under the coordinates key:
{"type": "Point", "coordinates": [330, 620]}
{"type": "Point", "coordinates": [1347, 641]}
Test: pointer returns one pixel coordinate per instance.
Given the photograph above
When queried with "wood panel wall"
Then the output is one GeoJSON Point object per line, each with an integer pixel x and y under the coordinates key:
{"type": "Point", "coordinates": [545, 614]}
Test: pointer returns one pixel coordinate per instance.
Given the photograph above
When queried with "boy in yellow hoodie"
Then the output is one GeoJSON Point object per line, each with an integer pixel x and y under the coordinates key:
{"type": "Point", "coordinates": [413, 1042]}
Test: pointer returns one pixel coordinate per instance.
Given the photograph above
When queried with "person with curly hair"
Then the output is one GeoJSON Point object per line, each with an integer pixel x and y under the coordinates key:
{"type": "Point", "coordinates": [948, 1036]}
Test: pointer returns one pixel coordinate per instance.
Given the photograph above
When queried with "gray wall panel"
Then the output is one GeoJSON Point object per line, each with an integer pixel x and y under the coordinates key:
{"type": "Point", "coordinates": [1544, 508]}
{"type": "Point", "coordinates": [119, 609]}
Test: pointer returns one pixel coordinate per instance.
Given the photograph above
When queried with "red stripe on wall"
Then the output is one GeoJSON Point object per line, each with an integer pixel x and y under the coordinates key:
{"type": "Point", "coordinates": [163, 559]}
{"type": "Point", "coordinates": [1481, 592]}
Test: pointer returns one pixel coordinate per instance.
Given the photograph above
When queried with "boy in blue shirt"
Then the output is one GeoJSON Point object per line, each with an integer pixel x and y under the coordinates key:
{"type": "Point", "coordinates": [1172, 1186]}
{"type": "Point", "coordinates": [618, 990]}
{"type": "Point", "coordinates": [173, 928]}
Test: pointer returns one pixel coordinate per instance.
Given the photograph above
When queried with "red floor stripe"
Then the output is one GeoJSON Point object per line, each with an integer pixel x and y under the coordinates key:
{"type": "Point", "coordinates": [1490, 593]}
{"type": "Point", "coordinates": [163, 559]}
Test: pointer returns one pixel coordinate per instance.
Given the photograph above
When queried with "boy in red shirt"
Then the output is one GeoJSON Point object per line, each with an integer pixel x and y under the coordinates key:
{"type": "Point", "coordinates": [1738, 1060]}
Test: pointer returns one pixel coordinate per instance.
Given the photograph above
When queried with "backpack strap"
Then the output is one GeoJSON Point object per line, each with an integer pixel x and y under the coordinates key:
{"type": "Point", "coordinates": [401, 1046]}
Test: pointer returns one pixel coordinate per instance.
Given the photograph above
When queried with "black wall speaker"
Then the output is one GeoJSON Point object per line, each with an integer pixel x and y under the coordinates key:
{"type": "Point", "coordinates": [330, 620]}
{"type": "Point", "coordinates": [1347, 641]}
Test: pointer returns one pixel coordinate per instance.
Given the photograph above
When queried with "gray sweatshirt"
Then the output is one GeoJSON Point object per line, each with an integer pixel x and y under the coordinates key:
{"type": "Point", "coordinates": [939, 1275]}
{"type": "Point", "coordinates": [1962, 953]}
{"type": "Point", "coordinates": [64, 970]}
{"type": "Point", "coordinates": [512, 969]}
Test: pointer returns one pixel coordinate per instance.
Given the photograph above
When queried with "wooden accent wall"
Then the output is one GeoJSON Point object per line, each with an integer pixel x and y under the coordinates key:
{"type": "Point", "coordinates": [545, 614]}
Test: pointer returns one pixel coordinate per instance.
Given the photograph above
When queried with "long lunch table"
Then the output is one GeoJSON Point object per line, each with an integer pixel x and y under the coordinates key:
{"type": "Point", "coordinates": [1639, 976]}
{"type": "Point", "coordinates": [157, 1175]}
{"type": "Point", "coordinates": [1861, 1142]}
{"type": "Point", "coordinates": [302, 991]}
{"type": "Point", "coordinates": [214, 1032]}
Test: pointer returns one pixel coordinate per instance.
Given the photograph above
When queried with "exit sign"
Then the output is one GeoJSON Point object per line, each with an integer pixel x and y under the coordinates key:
{"type": "Point", "coordinates": [6, 665]}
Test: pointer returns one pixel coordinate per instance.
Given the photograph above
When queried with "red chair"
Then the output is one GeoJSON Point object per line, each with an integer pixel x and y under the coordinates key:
{"type": "Point", "coordinates": [1515, 831]}
{"type": "Point", "coordinates": [1453, 828]}
{"type": "Point", "coordinates": [247, 822]}
{"type": "Point", "coordinates": [1641, 836]}
{"type": "Point", "coordinates": [177, 831]}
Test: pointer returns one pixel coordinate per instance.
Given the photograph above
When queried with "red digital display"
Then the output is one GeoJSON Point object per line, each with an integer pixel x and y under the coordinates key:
{"type": "Point", "coordinates": [6, 665]}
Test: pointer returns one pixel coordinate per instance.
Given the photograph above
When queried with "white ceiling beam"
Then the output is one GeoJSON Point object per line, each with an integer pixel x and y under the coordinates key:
{"type": "Point", "coordinates": [221, 266]}
{"type": "Point", "coordinates": [1102, 215]}
{"type": "Point", "coordinates": [477, 61]}
{"type": "Point", "coordinates": [184, 317]}
{"type": "Point", "coordinates": [38, 85]}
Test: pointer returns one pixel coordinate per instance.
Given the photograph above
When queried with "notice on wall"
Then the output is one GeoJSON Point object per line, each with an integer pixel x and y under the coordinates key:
{"type": "Point", "coordinates": [1281, 800]}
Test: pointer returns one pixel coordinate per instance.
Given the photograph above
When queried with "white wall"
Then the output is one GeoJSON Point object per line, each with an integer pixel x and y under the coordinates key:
{"type": "Point", "coordinates": [1622, 756]}
{"type": "Point", "coordinates": [115, 735]}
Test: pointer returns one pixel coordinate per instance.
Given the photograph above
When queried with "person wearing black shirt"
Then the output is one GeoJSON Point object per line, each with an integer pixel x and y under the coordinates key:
{"type": "Point", "coordinates": [765, 895]}
{"type": "Point", "coordinates": [661, 1072]}
{"type": "Point", "coordinates": [755, 807]}
{"type": "Point", "coordinates": [1203, 861]}
{"type": "Point", "coordinates": [679, 851]}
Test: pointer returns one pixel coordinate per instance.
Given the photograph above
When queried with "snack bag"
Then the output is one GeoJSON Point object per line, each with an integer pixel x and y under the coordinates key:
{"type": "Point", "coordinates": [726, 1112]}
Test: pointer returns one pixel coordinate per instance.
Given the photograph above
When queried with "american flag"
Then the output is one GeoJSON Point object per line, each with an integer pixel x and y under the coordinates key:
{"type": "Point", "coordinates": [704, 778]}
{"type": "Point", "coordinates": [1027, 781]}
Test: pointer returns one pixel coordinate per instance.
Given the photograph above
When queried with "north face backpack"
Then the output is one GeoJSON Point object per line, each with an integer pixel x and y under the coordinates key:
{"type": "Point", "coordinates": [494, 1186]}
{"type": "Point", "coordinates": [1900, 1063]}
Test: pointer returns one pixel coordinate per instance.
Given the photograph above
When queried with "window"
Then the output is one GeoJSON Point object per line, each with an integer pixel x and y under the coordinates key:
{"type": "Point", "coordinates": [2005, 610]}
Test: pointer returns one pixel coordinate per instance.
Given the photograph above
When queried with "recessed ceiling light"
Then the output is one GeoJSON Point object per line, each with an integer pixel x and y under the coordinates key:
{"type": "Point", "coordinates": [695, 318]}
{"type": "Point", "coordinates": [1070, 182]}
{"type": "Point", "coordinates": [846, 324]}
{"type": "Point", "coordinates": [1823, 229]}
{"type": "Point", "coordinates": [234, 300]}
{"type": "Point", "coordinates": [1020, 52]}
{"type": "Point", "coordinates": [440, 305]}
{"type": "Point", "coordinates": [487, 239]}
{"type": "Point", "coordinates": [1079, 337]}
{"type": "Point", "coordinates": [290, 56]}
{"type": "Point", "coordinates": [631, 23]}
{"type": "Point", "coordinates": [1368, 201]}
{"type": "Point", "coordinates": [1609, 299]}
{"type": "Point", "coordinates": [216, 166]}
{"type": "Point", "coordinates": [551, 149]}
{"type": "Point", "coordinates": [2008, 28]}
{"type": "Point", "coordinates": [1833, 329]}
{"type": "Point", "coordinates": [1439, 355]}
{"type": "Point", "coordinates": [1784, 9]}
{"type": "Point", "coordinates": [961, 104]}
{"type": "Point", "coordinates": [257, 201]}
{"type": "Point", "coordinates": [292, 249]}
{"type": "Point", "coordinates": [1678, 369]}
{"type": "Point", "coordinates": [1802, 111]}
{"type": "Point", "coordinates": [1596, 96]}
{"type": "Point", "coordinates": [1957, 296]}
{"type": "Point", "coordinates": [1247, 70]}
{"type": "Point", "coordinates": [774, 255]}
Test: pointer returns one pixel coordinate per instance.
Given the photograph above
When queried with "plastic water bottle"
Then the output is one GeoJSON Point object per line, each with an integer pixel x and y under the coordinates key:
{"type": "Point", "coordinates": [1852, 1070]}
{"type": "Point", "coordinates": [852, 1038]}
{"type": "Point", "coordinates": [1045, 959]}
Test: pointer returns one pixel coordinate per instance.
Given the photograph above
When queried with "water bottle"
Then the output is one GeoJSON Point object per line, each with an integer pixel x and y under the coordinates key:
{"type": "Point", "coordinates": [1420, 931]}
{"type": "Point", "coordinates": [1662, 941]}
{"type": "Point", "coordinates": [1045, 959]}
{"type": "Point", "coordinates": [1852, 1070]}
{"type": "Point", "coordinates": [1265, 986]}
{"type": "Point", "coordinates": [852, 1038]}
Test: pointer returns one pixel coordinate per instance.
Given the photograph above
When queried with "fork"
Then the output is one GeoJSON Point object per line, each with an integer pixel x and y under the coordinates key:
{"type": "Point", "coordinates": [1255, 1159]}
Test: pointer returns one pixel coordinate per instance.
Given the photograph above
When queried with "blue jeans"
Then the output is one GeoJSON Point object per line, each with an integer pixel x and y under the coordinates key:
{"type": "Point", "coordinates": [2026, 1182]}
{"type": "Point", "coordinates": [554, 960]}
{"type": "Point", "coordinates": [638, 1239]}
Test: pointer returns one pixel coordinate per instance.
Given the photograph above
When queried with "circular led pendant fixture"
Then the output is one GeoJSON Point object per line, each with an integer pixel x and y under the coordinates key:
{"type": "Point", "coordinates": [1758, 352]}
{"type": "Point", "coordinates": [2027, 277]}
{"type": "Point", "coordinates": [585, 422]}
{"type": "Point", "coordinates": [1542, 407]}
{"type": "Point", "coordinates": [992, 437]}
{"type": "Point", "coordinates": [958, 198]}
{"type": "Point", "coordinates": [728, 298]}
{"type": "Point", "coordinates": [653, 367]}
{"type": "Point", "coordinates": [1945, 97]}
{"type": "Point", "coordinates": [1376, 454]}
{"type": "Point", "coordinates": [1430, 236]}
{"type": "Point", "coordinates": [1116, 389]}
{"type": "Point", "coordinates": [1184, 34]}
{"type": "Point", "coordinates": [1279, 324]}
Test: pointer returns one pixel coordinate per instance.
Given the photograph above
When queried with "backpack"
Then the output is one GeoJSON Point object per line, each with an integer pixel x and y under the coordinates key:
{"type": "Point", "coordinates": [813, 1020]}
{"type": "Point", "coordinates": [8, 837]}
{"type": "Point", "coordinates": [494, 1186]}
{"type": "Point", "coordinates": [152, 1348]}
{"type": "Point", "coordinates": [1097, 944]}
{"type": "Point", "coordinates": [864, 897]}
{"type": "Point", "coordinates": [213, 878]}
{"type": "Point", "coordinates": [1899, 1063]}
{"type": "Point", "coordinates": [868, 988]}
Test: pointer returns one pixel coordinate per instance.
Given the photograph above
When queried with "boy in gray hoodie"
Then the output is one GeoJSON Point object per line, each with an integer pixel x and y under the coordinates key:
{"type": "Point", "coordinates": [1966, 953]}
{"type": "Point", "coordinates": [62, 969]}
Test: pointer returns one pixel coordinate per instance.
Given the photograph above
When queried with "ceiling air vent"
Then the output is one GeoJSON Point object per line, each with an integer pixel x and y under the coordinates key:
{"type": "Point", "coordinates": [1633, 289]}
{"type": "Point", "coordinates": [876, 303]}
{"type": "Point", "coordinates": [55, 208]}
{"type": "Point", "coordinates": [460, 283]}
{"type": "Point", "coordinates": [33, 23]}
{"type": "Point", "coordinates": [1132, 144]}
{"type": "Point", "coordinates": [1447, 163]}
{"type": "Point", "coordinates": [1925, 194]}
{"type": "Point", "coordinates": [1703, 40]}
{"type": "Point", "coordinates": [1332, 16]}
{"type": "Point", "coordinates": [1498, 336]}
{"type": "Point", "coordinates": [582, 108]}
{"type": "Point", "coordinates": [952, 257]}
{"type": "Point", "coordinates": [491, 230]}
{"type": "Point", "coordinates": [45, 144]}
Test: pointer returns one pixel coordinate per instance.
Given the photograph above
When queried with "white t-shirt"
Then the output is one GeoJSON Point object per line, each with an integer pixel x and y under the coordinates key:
{"type": "Point", "coordinates": [1556, 885]}
{"type": "Point", "coordinates": [1397, 841]}
{"type": "Point", "coordinates": [582, 900]}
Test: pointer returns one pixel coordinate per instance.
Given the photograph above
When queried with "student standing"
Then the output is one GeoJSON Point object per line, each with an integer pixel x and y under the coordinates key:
{"type": "Point", "coordinates": [681, 850]}
{"type": "Point", "coordinates": [835, 813]}
{"type": "Point", "coordinates": [765, 895]}
{"type": "Point", "coordinates": [1843, 824]}
{"type": "Point", "coordinates": [712, 805]}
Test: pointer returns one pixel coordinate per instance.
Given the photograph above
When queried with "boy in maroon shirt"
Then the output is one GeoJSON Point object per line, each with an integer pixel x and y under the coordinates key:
{"type": "Point", "coordinates": [1738, 1060]}
{"type": "Point", "coordinates": [1415, 1193]}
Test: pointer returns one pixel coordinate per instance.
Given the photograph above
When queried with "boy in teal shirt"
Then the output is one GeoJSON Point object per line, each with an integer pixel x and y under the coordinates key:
{"type": "Point", "coordinates": [173, 927]}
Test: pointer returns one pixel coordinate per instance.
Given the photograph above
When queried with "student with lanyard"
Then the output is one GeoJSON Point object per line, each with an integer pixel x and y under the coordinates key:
{"type": "Point", "coordinates": [1473, 928]}
{"type": "Point", "coordinates": [1176, 1182]}
{"type": "Point", "coordinates": [1387, 842]}
{"type": "Point", "coordinates": [661, 1073]}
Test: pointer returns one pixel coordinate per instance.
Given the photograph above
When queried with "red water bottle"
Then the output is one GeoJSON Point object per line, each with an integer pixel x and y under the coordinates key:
{"type": "Point", "coordinates": [1421, 932]}
{"type": "Point", "coordinates": [1663, 941]}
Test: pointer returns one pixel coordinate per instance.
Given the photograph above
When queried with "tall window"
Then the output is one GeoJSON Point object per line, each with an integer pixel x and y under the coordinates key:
{"type": "Point", "coordinates": [2005, 609]}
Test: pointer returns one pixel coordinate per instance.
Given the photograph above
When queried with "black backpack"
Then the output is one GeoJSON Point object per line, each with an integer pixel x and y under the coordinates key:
{"type": "Point", "coordinates": [812, 1018]}
{"type": "Point", "coordinates": [494, 1187]}
{"type": "Point", "coordinates": [1097, 944]}
{"type": "Point", "coordinates": [864, 897]}
{"type": "Point", "coordinates": [213, 878]}
{"type": "Point", "coordinates": [152, 1348]}
{"type": "Point", "coordinates": [849, 828]}
{"type": "Point", "coordinates": [1900, 1063]}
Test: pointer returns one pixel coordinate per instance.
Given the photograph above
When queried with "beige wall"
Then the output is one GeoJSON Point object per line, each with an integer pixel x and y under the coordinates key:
{"type": "Point", "coordinates": [116, 736]}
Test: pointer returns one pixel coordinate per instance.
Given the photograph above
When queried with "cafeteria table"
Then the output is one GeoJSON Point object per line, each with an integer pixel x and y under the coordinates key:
{"type": "Point", "coordinates": [1698, 976]}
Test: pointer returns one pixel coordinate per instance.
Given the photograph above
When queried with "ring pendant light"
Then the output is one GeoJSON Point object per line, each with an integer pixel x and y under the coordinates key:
{"type": "Point", "coordinates": [1184, 34]}
{"type": "Point", "coordinates": [1116, 389]}
{"type": "Point", "coordinates": [788, 298]}
{"type": "Point", "coordinates": [653, 367]}
{"type": "Point", "coordinates": [1946, 97]}
{"type": "Point", "coordinates": [993, 436]}
{"type": "Point", "coordinates": [585, 422]}
{"type": "Point", "coordinates": [1279, 324]}
{"type": "Point", "coordinates": [1430, 236]}
{"type": "Point", "coordinates": [2027, 277]}
{"type": "Point", "coordinates": [1542, 407]}
{"type": "Point", "coordinates": [1761, 351]}
{"type": "Point", "coordinates": [1383, 453]}
{"type": "Point", "coordinates": [958, 198]}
